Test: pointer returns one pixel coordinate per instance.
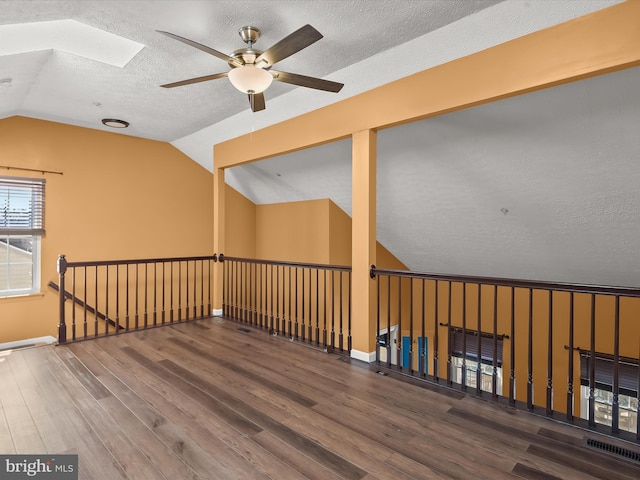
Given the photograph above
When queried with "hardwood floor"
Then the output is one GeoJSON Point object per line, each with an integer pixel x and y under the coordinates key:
{"type": "Point", "coordinates": [204, 400]}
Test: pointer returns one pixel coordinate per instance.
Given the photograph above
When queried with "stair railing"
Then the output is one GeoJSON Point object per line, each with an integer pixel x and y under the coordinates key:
{"type": "Point", "coordinates": [115, 296]}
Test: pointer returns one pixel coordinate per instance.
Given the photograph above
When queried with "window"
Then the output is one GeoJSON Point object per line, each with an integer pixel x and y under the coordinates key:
{"type": "Point", "coordinates": [603, 389]}
{"type": "Point", "coordinates": [627, 411]}
{"type": "Point", "coordinates": [471, 367]}
{"type": "Point", "coordinates": [21, 226]}
{"type": "Point", "coordinates": [465, 346]}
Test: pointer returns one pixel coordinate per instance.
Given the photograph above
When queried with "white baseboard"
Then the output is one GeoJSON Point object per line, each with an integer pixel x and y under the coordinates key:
{"type": "Point", "coordinates": [363, 356]}
{"type": "Point", "coordinates": [217, 312]}
{"type": "Point", "coordinates": [28, 342]}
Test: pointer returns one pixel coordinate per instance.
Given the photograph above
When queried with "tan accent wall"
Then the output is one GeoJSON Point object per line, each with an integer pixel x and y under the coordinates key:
{"type": "Point", "coordinates": [240, 225]}
{"type": "Point", "coordinates": [313, 231]}
{"type": "Point", "coordinates": [294, 231]}
{"type": "Point", "coordinates": [386, 259]}
{"type": "Point", "coordinates": [119, 197]}
{"type": "Point", "coordinates": [124, 197]}
{"type": "Point", "coordinates": [339, 236]}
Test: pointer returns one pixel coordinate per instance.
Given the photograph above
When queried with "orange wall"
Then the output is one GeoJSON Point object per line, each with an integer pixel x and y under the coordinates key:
{"type": "Point", "coordinates": [119, 197]}
{"type": "Point", "coordinates": [339, 236]}
{"type": "Point", "coordinates": [313, 231]}
{"type": "Point", "coordinates": [240, 225]}
{"type": "Point", "coordinates": [294, 231]}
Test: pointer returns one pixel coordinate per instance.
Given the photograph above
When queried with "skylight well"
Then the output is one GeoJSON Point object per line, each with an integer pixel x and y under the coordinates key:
{"type": "Point", "coordinates": [68, 36]}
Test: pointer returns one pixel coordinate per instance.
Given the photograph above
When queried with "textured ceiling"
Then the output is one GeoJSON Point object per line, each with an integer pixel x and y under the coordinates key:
{"type": "Point", "coordinates": [59, 86]}
{"type": "Point", "coordinates": [542, 186]}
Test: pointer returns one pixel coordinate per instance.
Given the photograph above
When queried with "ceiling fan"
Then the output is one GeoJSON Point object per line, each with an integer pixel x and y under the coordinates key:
{"type": "Point", "coordinates": [251, 70]}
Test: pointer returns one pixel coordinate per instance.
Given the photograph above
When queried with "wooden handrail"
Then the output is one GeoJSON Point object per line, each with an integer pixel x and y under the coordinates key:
{"type": "Point", "coordinates": [321, 266]}
{"type": "Point", "coordinates": [512, 282]}
{"type": "Point", "coordinates": [100, 263]}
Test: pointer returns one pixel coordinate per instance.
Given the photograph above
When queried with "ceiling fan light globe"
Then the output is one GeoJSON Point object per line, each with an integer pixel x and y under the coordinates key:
{"type": "Point", "coordinates": [250, 79]}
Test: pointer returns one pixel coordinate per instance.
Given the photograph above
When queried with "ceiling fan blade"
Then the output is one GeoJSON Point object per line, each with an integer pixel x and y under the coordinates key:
{"type": "Point", "coordinates": [309, 82]}
{"type": "Point", "coordinates": [204, 48]}
{"type": "Point", "coordinates": [256, 100]}
{"type": "Point", "coordinates": [195, 80]}
{"type": "Point", "coordinates": [301, 38]}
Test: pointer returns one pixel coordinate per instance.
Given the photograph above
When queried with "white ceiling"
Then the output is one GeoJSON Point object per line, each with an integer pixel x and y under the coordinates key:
{"type": "Point", "coordinates": [562, 162]}
{"type": "Point", "coordinates": [60, 86]}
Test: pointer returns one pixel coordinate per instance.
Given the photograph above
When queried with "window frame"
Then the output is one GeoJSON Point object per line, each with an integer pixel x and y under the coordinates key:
{"type": "Point", "coordinates": [470, 368]}
{"type": "Point", "coordinates": [627, 413]}
{"type": "Point", "coordinates": [35, 268]}
{"type": "Point", "coordinates": [17, 225]}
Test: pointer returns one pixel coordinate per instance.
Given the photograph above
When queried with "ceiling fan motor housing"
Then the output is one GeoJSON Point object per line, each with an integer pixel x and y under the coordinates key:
{"type": "Point", "coordinates": [246, 55]}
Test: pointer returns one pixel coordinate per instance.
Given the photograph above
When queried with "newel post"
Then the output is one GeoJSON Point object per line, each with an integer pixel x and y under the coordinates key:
{"type": "Point", "coordinates": [62, 327]}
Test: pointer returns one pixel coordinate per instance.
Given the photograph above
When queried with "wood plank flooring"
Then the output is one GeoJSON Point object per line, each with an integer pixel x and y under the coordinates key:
{"type": "Point", "coordinates": [204, 400]}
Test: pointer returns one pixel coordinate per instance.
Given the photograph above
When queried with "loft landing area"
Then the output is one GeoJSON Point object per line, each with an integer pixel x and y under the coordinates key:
{"type": "Point", "coordinates": [566, 352]}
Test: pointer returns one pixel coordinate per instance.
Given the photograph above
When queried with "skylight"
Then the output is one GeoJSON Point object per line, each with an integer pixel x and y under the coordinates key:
{"type": "Point", "coordinates": [68, 36]}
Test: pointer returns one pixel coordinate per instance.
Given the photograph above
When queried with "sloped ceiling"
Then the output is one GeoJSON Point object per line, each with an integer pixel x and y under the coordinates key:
{"type": "Point", "coordinates": [55, 84]}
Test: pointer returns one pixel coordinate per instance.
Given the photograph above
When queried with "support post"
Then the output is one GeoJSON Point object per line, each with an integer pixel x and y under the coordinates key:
{"type": "Point", "coordinates": [62, 327]}
{"type": "Point", "coordinates": [363, 246]}
{"type": "Point", "coordinates": [218, 238]}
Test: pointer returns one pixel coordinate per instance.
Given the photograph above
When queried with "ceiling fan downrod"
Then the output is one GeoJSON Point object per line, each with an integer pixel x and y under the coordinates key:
{"type": "Point", "coordinates": [249, 34]}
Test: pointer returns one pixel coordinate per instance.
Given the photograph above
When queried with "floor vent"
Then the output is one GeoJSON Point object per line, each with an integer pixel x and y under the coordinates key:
{"type": "Point", "coordinates": [614, 449]}
{"type": "Point", "coordinates": [243, 330]}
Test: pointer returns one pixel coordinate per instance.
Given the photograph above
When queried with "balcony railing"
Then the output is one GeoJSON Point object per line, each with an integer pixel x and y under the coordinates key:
{"type": "Point", "coordinates": [563, 350]}
{"type": "Point", "coordinates": [306, 302]}
{"type": "Point", "coordinates": [560, 349]}
{"type": "Point", "coordinates": [111, 297]}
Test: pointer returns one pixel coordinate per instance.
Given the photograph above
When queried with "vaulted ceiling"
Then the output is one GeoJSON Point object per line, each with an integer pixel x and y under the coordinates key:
{"type": "Point", "coordinates": [541, 186]}
{"type": "Point", "coordinates": [68, 82]}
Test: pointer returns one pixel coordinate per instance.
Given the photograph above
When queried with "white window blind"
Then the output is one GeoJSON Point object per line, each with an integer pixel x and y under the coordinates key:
{"type": "Point", "coordinates": [21, 206]}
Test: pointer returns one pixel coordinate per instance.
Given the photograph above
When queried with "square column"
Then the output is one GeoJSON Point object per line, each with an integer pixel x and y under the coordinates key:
{"type": "Point", "coordinates": [219, 188]}
{"type": "Point", "coordinates": [363, 245]}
